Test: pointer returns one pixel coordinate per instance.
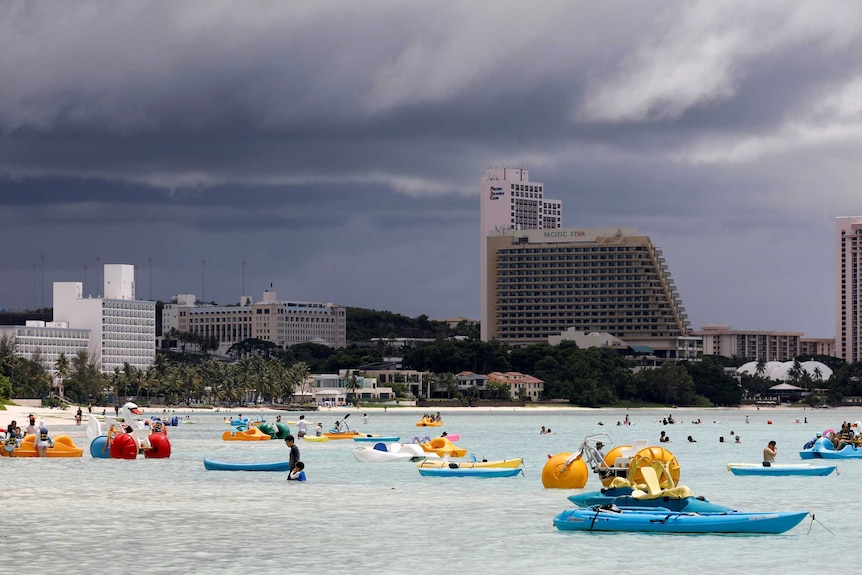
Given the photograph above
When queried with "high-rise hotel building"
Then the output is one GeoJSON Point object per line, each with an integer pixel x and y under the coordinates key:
{"type": "Point", "coordinates": [510, 201]}
{"type": "Point", "coordinates": [848, 299]}
{"type": "Point", "coordinates": [541, 280]}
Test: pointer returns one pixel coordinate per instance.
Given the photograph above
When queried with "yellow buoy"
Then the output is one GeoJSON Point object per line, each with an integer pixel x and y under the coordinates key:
{"type": "Point", "coordinates": [565, 471]}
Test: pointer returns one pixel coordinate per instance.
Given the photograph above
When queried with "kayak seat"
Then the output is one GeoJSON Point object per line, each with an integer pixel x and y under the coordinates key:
{"type": "Point", "coordinates": [380, 446]}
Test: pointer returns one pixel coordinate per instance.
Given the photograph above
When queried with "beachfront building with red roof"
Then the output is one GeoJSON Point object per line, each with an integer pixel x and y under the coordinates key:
{"type": "Point", "coordinates": [520, 385]}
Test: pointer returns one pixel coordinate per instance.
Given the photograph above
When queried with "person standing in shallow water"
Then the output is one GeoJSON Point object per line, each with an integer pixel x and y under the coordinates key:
{"type": "Point", "coordinates": [769, 453]}
{"type": "Point", "coordinates": [294, 451]}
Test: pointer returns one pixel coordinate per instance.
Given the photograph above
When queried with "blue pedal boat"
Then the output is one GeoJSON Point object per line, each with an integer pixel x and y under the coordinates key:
{"type": "Point", "coordinates": [622, 497]}
{"type": "Point", "coordinates": [823, 449]}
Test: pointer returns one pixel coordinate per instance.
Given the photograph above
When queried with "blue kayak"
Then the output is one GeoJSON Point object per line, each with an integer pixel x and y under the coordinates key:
{"type": "Point", "coordinates": [213, 465]}
{"type": "Point", "coordinates": [622, 497]}
{"type": "Point", "coordinates": [376, 438]}
{"type": "Point", "coordinates": [780, 469]}
{"type": "Point", "coordinates": [617, 519]}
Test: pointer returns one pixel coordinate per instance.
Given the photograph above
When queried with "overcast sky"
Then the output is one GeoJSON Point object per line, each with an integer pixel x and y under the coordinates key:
{"type": "Point", "coordinates": [334, 149]}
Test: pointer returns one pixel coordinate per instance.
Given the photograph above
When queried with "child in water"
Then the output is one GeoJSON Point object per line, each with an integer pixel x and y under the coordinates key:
{"type": "Point", "coordinates": [297, 473]}
{"type": "Point", "coordinates": [43, 442]}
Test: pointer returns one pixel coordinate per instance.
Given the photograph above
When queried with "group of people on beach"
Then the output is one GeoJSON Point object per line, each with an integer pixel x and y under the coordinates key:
{"type": "Point", "coordinates": [13, 436]}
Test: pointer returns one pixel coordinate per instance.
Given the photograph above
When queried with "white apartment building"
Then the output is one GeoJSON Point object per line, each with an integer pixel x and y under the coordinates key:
{"type": "Point", "coordinates": [510, 201]}
{"type": "Point", "coordinates": [283, 323]}
{"type": "Point", "coordinates": [720, 339]}
{"type": "Point", "coordinates": [122, 329]}
{"type": "Point", "coordinates": [848, 297]}
{"type": "Point", "coordinates": [47, 341]}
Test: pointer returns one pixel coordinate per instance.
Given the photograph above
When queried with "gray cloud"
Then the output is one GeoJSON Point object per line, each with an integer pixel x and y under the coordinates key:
{"type": "Point", "coordinates": [336, 147]}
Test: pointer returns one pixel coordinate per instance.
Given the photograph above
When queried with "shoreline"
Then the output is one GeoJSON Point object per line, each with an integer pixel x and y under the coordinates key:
{"type": "Point", "coordinates": [66, 417]}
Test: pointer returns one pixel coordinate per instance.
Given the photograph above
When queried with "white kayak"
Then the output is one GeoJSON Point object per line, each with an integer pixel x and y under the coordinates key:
{"type": "Point", "coordinates": [780, 469]}
{"type": "Point", "coordinates": [382, 452]}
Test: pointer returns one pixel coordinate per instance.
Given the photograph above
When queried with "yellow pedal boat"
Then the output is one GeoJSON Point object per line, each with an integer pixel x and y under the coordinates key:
{"type": "Point", "coordinates": [428, 422]}
{"type": "Point", "coordinates": [252, 434]}
{"type": "Point", "coordinates": [442, 446]}
{"type": "Point", "coordinates": [63, 447]}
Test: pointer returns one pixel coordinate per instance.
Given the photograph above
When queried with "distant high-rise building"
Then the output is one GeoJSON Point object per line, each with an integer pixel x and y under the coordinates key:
{"type": "Point", "coordinates": [122, 329]}
{"type": "Point", "coordinates": [543, 282]}
{"type": "Point", "coordinates": [848, 297]}
{"type": "Point", "coordinates": [539, 279]}
{"type": "Point", "coordinates": [510, 201]}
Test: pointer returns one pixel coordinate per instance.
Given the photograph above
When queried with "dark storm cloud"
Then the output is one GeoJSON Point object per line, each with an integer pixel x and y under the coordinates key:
{"type": "Point", "coordinates": [336, 147]}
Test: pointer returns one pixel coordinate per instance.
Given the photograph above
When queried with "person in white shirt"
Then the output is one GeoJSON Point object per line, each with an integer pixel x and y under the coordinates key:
{"type": "Point", "coordinates": [301, 427]}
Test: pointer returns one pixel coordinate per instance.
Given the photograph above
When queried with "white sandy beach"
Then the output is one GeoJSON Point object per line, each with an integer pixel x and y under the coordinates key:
{"type": "Point", "coordinates": [64, 417]}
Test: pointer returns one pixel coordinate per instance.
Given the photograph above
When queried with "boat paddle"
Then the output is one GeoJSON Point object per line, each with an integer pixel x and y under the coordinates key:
{"type": "Point", "coordinates": [344, 421]}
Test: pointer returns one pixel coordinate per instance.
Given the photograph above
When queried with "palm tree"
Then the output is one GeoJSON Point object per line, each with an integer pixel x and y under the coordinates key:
{"type": "Point", "coordinates": [62, 367]}
{"type": "Point", "coordinates": [297, 377]}
{"type": "Point", "coordinates": [352, 386]}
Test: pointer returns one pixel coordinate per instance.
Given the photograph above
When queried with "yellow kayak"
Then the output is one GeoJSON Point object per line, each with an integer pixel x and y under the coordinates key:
{"type": "Point", "coordinates": [349, 434]}
{"type": "Point", "coordinates": [315, 438]}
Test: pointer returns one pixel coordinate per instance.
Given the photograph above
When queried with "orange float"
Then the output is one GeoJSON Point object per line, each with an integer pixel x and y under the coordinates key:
{"type": "Point", "coordinates": [565, 471]}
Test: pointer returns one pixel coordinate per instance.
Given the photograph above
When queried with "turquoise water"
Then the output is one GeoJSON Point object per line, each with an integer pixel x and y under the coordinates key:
{"type": "Point", "coordinates": [172, 516]}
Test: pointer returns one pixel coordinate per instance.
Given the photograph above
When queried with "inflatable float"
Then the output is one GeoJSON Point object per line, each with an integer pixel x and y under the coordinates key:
{"type": "Point", "coordinates": [213, 465]}
{"type": "Point", "coordinates": [62, 446]}
{"type": "Point", "coordinates": [612, 518]}
{"type": "Point", "coordinates": [127, 438]}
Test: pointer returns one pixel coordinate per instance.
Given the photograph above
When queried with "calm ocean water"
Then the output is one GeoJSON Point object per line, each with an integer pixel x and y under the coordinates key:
{"type": "Point", "coordinates": [171, 516]}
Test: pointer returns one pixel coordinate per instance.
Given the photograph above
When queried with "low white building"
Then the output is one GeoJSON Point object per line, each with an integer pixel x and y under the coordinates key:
{"type": "Point", "coordinates": [47, 341]}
